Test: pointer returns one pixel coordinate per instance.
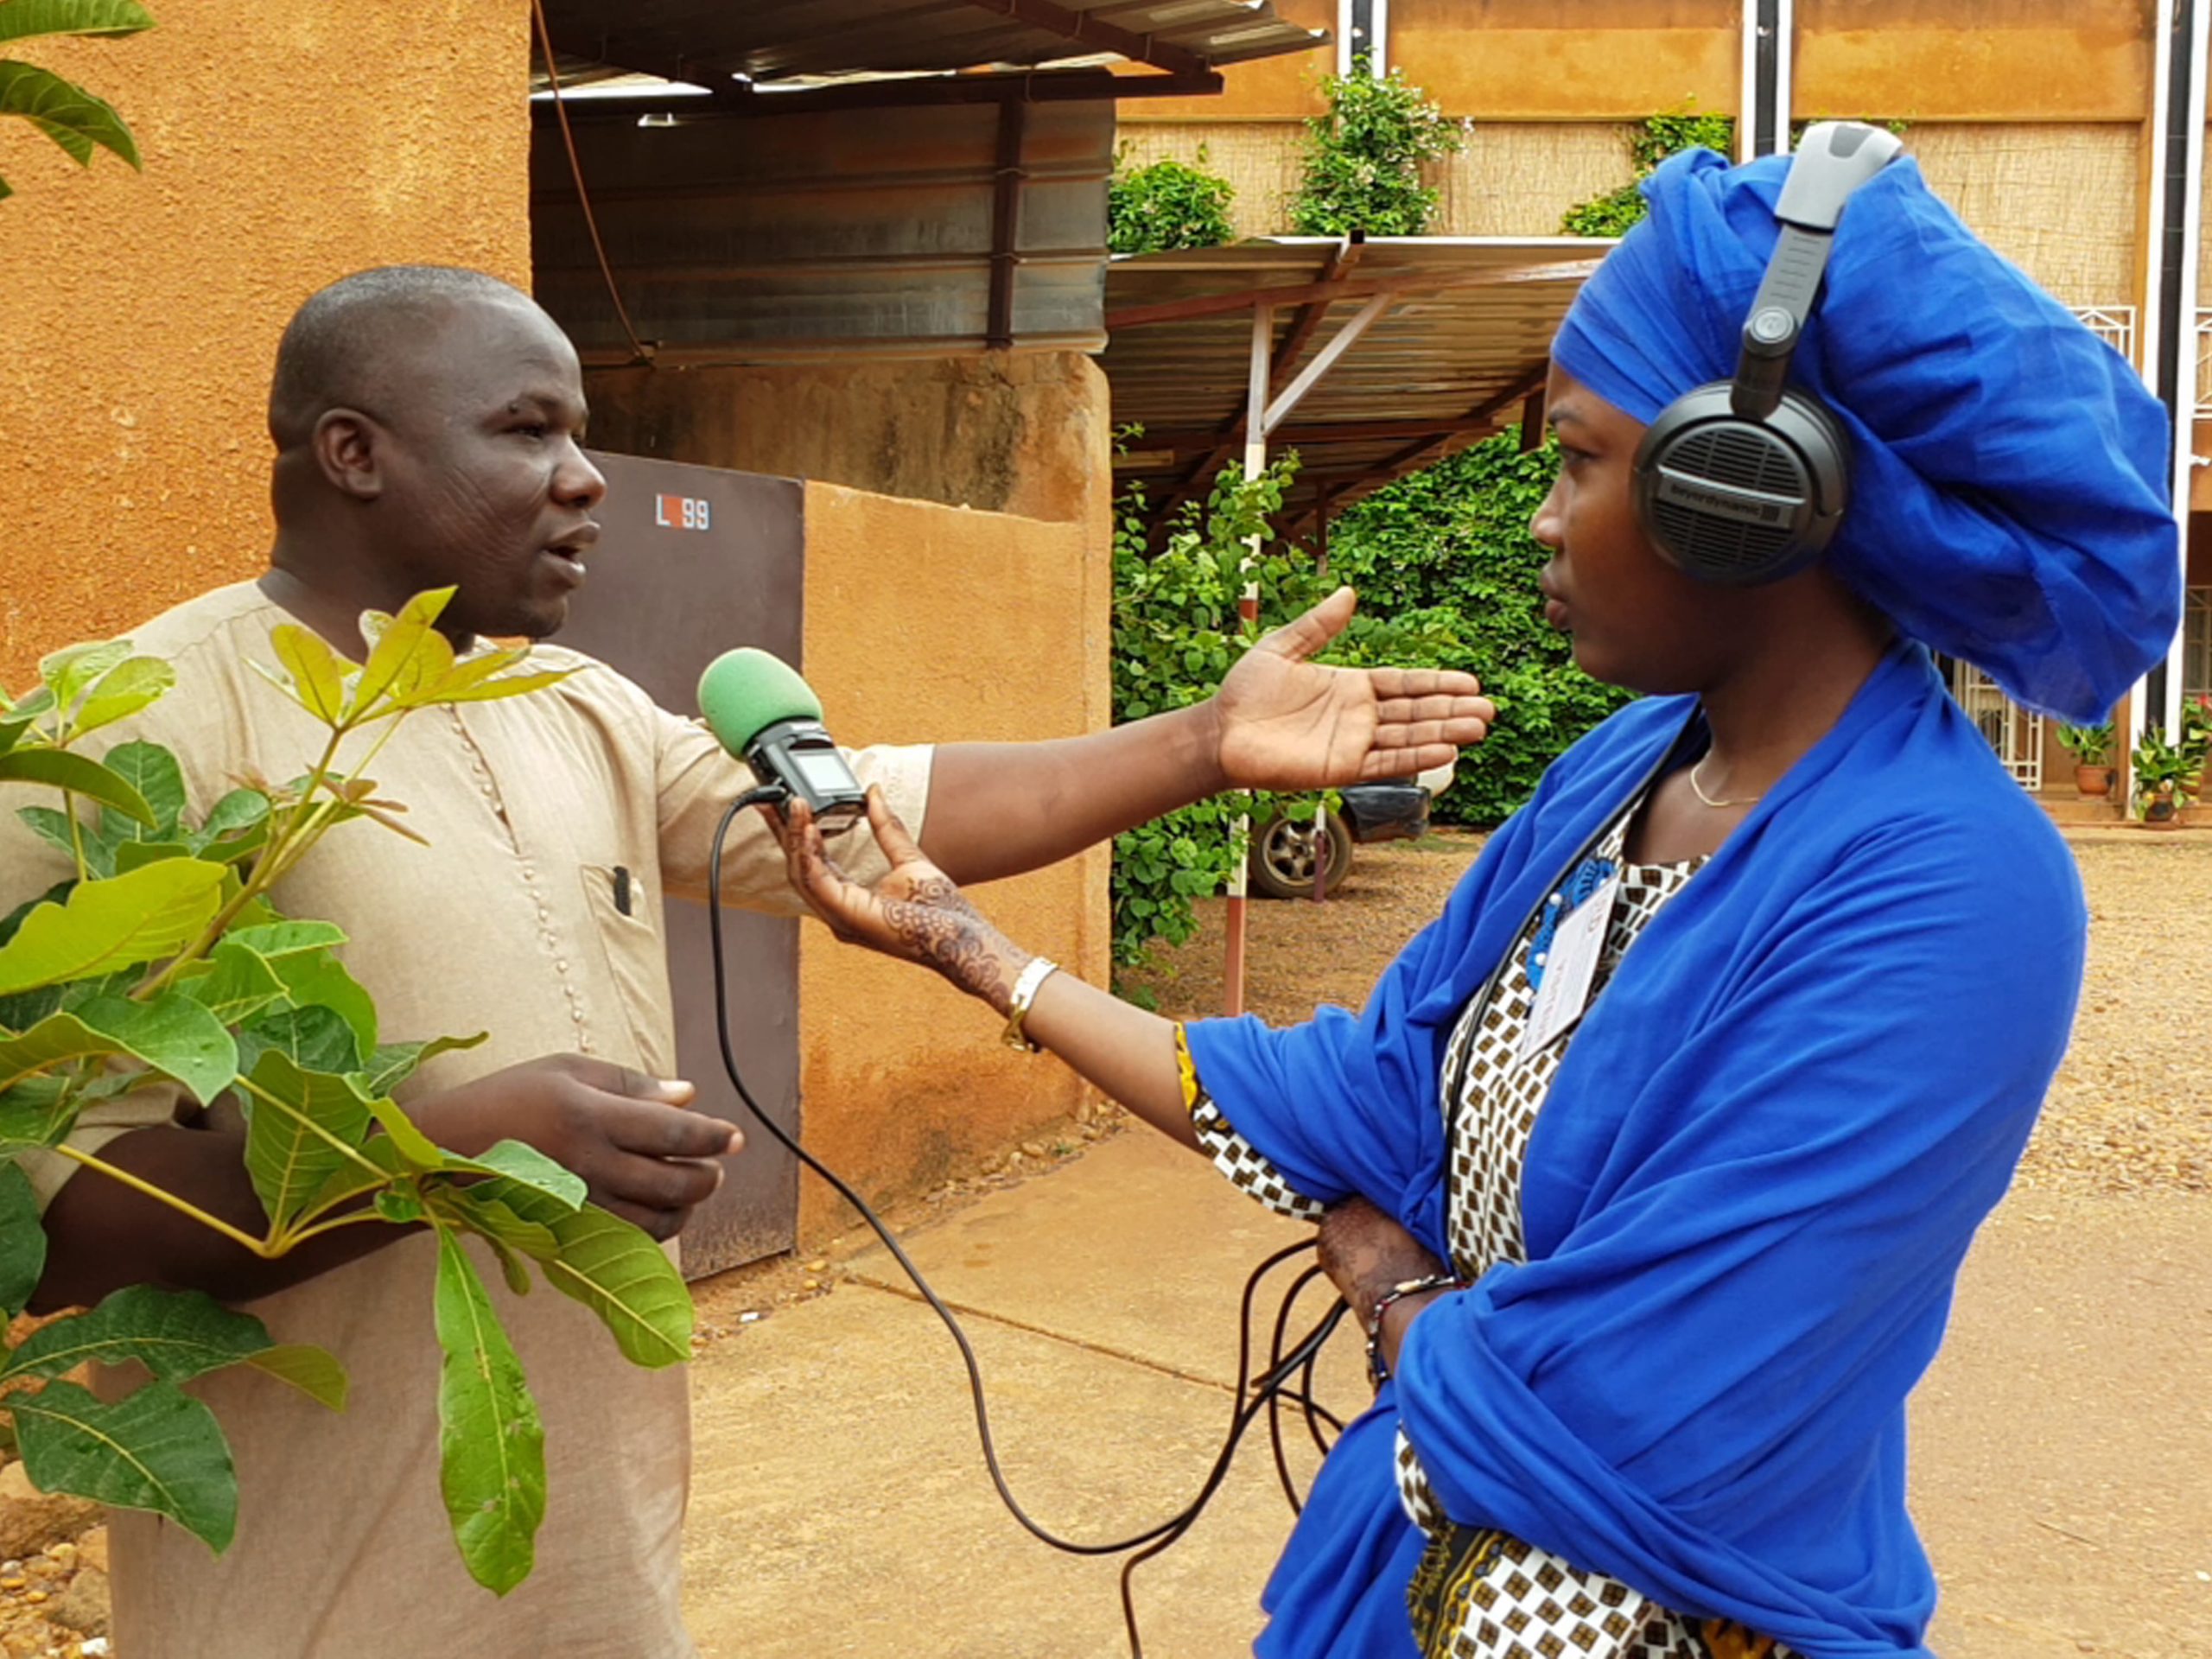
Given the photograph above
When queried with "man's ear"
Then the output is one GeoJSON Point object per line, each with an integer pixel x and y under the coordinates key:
{"type": "Point", "coordinates": [347, 447]}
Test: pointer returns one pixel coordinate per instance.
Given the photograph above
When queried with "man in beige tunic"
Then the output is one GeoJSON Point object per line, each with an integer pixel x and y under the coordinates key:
{"type": "Point", "coordinates": [427, 425]}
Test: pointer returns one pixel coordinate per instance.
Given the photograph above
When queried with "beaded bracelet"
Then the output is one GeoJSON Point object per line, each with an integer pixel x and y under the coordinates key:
{"type": "Point", "coordinates": [1378, 1371]}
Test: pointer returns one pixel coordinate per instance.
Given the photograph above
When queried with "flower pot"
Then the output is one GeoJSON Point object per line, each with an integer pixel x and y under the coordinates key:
{"type": "Point", "coordinates": [2161, 811]}
{"type": "Point", "coordinates": [2093, 783]}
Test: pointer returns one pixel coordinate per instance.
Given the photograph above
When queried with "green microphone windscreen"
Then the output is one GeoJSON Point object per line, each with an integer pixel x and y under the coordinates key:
{"type": "Point", "coordinates": [745, 692]}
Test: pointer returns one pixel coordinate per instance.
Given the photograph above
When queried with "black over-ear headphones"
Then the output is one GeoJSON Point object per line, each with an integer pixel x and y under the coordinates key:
{"type": "Point", "coordinates": [1743, 481]}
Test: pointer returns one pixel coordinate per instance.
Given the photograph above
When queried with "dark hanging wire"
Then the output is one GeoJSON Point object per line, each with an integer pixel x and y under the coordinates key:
{"type": "Point", "coordinates": [1251, 1396]}
{"type": "Point", "coordinates": [576, 171]}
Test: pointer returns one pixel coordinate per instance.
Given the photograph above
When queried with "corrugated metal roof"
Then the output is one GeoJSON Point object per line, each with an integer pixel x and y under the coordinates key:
{"type": "Point", "coordinates": [785, 238]}
{"type": "Point", "coordinates": [781, 40]}
{"type": "Point", "coordinates": [1466, 335]}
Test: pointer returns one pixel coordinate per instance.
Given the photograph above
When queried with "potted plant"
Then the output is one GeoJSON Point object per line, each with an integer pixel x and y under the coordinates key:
{"type": "Point", "coordinates": [2091, 747]}
{"type": "Point", "coordinates": [2165, 777]}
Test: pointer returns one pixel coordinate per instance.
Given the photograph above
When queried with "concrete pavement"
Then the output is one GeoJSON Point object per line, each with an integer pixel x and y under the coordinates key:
{"type": "Point", "coordinates": [840, 1506]}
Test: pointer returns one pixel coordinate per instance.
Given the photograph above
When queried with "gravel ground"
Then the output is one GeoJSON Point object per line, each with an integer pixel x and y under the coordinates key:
{"type": "Point", "coordinates": [2129, 1113]}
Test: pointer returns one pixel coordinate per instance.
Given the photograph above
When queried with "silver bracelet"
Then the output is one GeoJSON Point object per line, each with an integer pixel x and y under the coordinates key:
{"type": "Point", "coordinates": [1025, 992]}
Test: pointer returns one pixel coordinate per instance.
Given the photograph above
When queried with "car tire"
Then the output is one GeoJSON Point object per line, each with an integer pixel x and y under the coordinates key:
{"type": "Point", "coordinates": [1283, 856]}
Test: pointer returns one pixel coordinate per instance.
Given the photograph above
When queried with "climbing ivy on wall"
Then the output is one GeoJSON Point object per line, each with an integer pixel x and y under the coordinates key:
{"type": "Point", "coordinates": [1651, 141]}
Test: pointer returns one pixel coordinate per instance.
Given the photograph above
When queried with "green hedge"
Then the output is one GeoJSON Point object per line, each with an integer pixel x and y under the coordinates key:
{"type": "Point", "coordinates": [1451, 543]}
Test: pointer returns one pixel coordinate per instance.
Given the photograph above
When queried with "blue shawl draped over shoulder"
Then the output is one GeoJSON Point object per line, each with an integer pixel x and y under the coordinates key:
{"type": "Point", "coordinates": [1747, 1197]}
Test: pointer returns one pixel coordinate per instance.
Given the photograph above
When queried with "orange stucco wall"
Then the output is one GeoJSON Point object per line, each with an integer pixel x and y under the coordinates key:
{"type": "Point", "coordinates": [1598, 60]}
{"type": "Point", "coordinates": [284, 146]}
{"type": "Point", "coordinates": [1621, 60]}
{"type": "Point", "coordinates": [925, 622]}
{"type": "Point", "coordinates": [1983, 60]}
{"type": "Point", "coordinates": [1024, 432]}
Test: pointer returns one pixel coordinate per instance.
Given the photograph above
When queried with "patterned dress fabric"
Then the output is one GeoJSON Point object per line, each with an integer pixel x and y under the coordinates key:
{"type": "Point", "coordinates": [1480, 1593]}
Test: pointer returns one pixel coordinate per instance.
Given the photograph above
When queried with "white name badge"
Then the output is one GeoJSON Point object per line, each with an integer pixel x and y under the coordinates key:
{"type": "Point", "coordinates": [1570, 965]}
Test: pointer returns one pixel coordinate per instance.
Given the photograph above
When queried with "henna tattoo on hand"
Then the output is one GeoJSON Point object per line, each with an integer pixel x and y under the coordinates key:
{"type": "Point", "coordinates": [939, 927]}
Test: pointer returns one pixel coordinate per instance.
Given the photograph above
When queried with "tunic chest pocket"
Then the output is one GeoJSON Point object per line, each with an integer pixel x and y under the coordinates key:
{"type": "Point", "coordinates": [627, 919]}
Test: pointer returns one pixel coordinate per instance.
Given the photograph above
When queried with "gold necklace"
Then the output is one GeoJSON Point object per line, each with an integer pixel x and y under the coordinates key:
{"type": "Point", "coordinates": [1697, 789]}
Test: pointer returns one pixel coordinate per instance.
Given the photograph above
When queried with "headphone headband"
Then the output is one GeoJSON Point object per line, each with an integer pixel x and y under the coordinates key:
{"type": "Point", "coordinates": [1834, 159]}
{"type": "Point", "coordinates": [1744, 480]}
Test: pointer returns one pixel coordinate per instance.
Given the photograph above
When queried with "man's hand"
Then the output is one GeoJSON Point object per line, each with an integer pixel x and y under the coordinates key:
{"type": "Point", "coordinates": [1288, 723]}
{"type": "Point", "coordinates": [643, 1156]}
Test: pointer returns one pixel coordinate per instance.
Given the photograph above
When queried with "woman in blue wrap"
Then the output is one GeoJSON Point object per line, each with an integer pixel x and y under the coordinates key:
{"type": "Point", "coordinates": [1651, 1258]}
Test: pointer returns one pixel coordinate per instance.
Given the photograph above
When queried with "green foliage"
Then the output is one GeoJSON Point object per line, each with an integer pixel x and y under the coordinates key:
{"type": "Point", "coordinates": [162, 953]}
{"type": "Point", "coordinates": [1363, 158]}
{"type": "Point", "coordinates": [1168, 204]}
{"type": "Point", "coordinates": [1450, 544]}
{"type": "Point", "coordinates": [2161, 767]}
{"type": "Point", "coordinates": [65, 112]}
{"type": "Point", "coordinates": [1651, 142]}
{"type": "Point", "coordinates": [1176, 634]}
{"type": "Point", "coordinates": [2090, 745]}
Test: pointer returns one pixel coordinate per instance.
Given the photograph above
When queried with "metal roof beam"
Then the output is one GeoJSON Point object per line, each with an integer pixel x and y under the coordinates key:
{"type": "Point", "coordinates": [1310, 376]}
{"type": "Point", "coordinates": [1195, 441]}
{"type": "Point", "coordinates": [1034, 87]}
{"type": "Point", "coordinates": [1478, 422]}
{"type": "Point", "coordinates": [1087, 30]}
{"type": "Point", "coordinates": [1341, 260]}
{"type": "Point", "coordinates": [1214, 305]}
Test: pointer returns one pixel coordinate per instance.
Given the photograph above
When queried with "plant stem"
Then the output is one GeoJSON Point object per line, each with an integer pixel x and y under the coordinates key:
{"type": "Point", "coordinates": [76, 834]}
{"type": "Point", "coordinates": [292, 1240]}
{"type": "Point", "coordinates": [267, 869]}
{"type": "Point", "coordinates": [308, 1218]}
{"type": "Point", "coordinates": [262, 1248]}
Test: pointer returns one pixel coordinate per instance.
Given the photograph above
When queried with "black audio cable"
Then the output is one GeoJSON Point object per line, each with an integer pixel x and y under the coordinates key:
{"type": "Point", "coordinates": [1266, 1393]}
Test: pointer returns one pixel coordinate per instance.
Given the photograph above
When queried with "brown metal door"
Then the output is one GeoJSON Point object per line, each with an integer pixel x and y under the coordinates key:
{"type": "Point", "coordinates": [695, 560]}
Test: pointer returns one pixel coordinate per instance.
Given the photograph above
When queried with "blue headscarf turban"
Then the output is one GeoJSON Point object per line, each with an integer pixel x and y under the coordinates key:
{"type": "Point", "coordinates": [2011, 478]}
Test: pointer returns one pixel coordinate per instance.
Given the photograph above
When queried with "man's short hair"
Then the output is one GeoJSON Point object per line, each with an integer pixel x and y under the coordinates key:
{"type": "Point", "coordinates": [338, 349]}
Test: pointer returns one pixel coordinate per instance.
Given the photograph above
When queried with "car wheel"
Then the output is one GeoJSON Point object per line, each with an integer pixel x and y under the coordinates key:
{"type": "Point", "coordinates": [1284, 853]}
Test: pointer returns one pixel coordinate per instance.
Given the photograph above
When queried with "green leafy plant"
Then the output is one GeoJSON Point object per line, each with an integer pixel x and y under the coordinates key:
{"type": "Point", "coordinates": [1167, 204]}
{"type": "Point", "coordinates": [1650, 143]}
{"type": "Point", "coordinates": [64, 111]}
{"type": "Point", "coordinates": [1363, 158]}
{"type": "Point", "coordinates": [1177, 631]}
{"type": "Point", "coordinates": [162, 953]}
{"type": "Point", "coordinates": [2164, 768]}
{"type": "Point", "coordinates": [2090, 745]}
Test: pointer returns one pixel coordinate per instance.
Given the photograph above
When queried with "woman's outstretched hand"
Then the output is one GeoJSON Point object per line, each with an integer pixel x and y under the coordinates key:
{"type": "Point", "coordinates": [915, 913]}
